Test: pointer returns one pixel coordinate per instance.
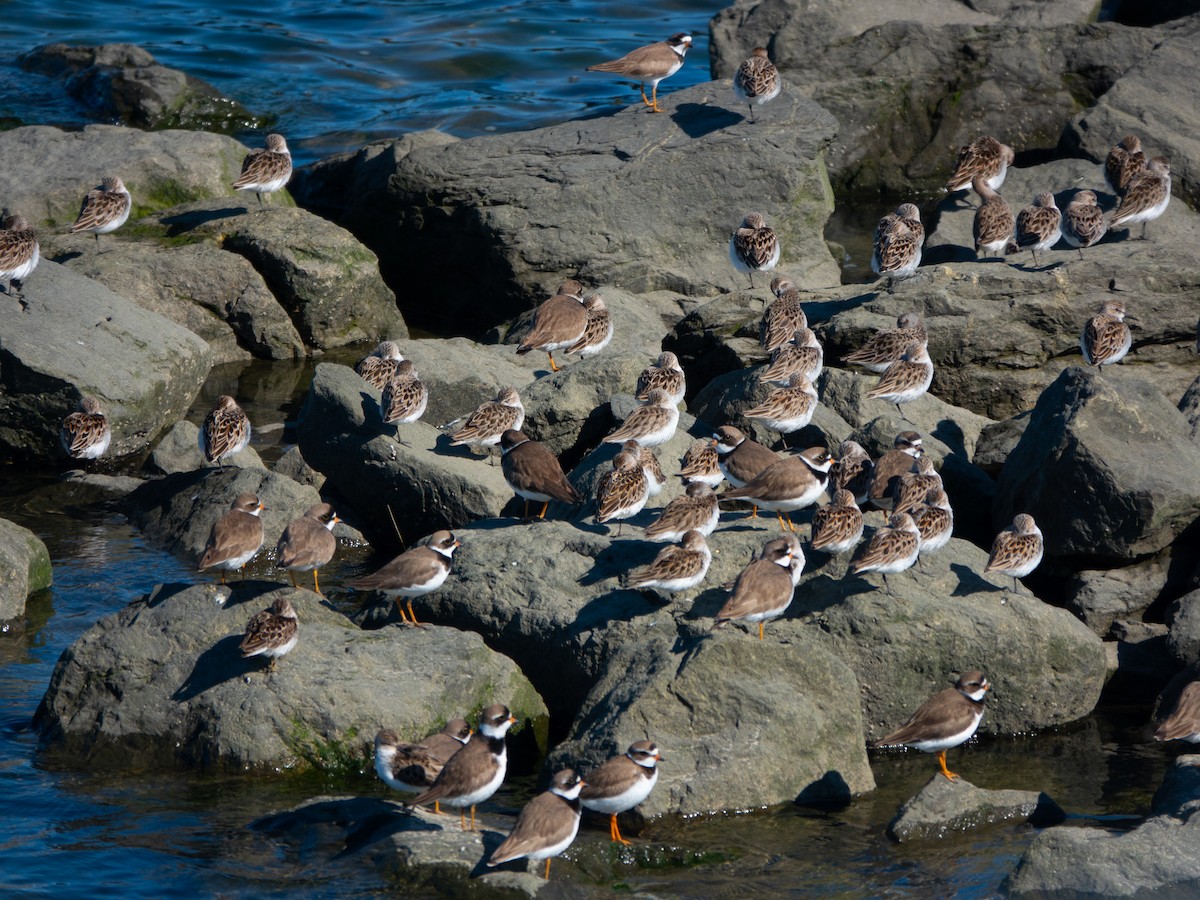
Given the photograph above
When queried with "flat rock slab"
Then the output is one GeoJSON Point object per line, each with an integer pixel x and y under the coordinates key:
{"type": "Point", "coordinates": [1158, 858]}
{"type": "Point", "coordinates": [24, 567]}
{"type": "Point", "coordinates": [945, 807]}
{"type": "Point", "coordinates": [73, 337]}
{"type": "Point", "coordinates": [47, 171]}
{"type": "Point", "coordinates": [161, 682]}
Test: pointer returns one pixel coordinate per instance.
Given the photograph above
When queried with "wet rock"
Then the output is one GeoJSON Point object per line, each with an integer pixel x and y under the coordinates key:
{"type": "Point", "coordinates": [944, 807]}
{"type": "Point", "coordinates": [882, 74]}
{"type": "Point", "coordinates": [327, 281]}
{"type": "Point", "coordinates": [1141, 103]}
{"type": "Point", "coordinates": [143, 369]}
{"type": "Point", "coordinates": [1183, 640]}
{"type": "Point", "coordinates": [427, 485]}
{"type": "Point", "coordinates": [723, 703]}
{"type": "Point", "coordinates": [161, 683]}
{"type": "Point", "coordinates": [124, 83]}
{"type": "Point", "coordinates": [570, 201]}
{"type": "Point", "coordinates": [93, 487]}
{"type": "Point", "coordinates": [24, 567]}
{"type": "Point", "coordinates": [179, 451]}
{"type": "Point", "coordinates": [47, 171]}
{"type": "Point", "coordinates": [212, 293]}
{"type": "Point", "coordinates": [422, 852]}
{"type": "Point", "coordinates": [1159, 856]}
{"type": "Point", "coordinates": [178, 511]}
{"type": "Point", "coordinates": [1120, 451]}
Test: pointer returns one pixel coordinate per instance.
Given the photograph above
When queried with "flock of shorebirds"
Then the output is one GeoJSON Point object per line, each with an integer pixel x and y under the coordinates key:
{"type": "Point", "coordinates": [461, 768]}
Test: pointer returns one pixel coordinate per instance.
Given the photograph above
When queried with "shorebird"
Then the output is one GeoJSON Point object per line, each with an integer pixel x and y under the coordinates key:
{"type": "Point", "coordinates": [651, 63]}
{"type": "Point", "coordinates": [757, 80]}
{"type": "Point", "coordinates": [944, 721]}
{"type": "Point", "coordinates": [266, 171]}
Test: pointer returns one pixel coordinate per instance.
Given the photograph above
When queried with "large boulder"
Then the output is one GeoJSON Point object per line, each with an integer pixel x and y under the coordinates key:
{"type": "Point", "coordinates": [214, 294]}
{"type": "Point", "coordinates": [1046, 667]}
{"type": "Point", "coordinates": [69, 337]}
{"type": "Point", "coordinates": [24, 567]}
{"type": "Point", "coordinates": [1119, 451]}
{"type": "Point", "coordinates": [883, 76]}
{"type": "Point", "coordinates": [161, 682]}
{"type": "Point", "coordinates": [425, 483]}
{"type": "Point", "coordinates": [47, 171]}
{"type": "Point", "coordinates": [509, 217]}
{"type": "Point", "coordinates": [723, 704]}
{"type": "Point", "coordinates": [1158, 858]}
{"type": "Point", "coordinates": [326, 280]}
{"type": "Point", "coordinates": [1142, 103]}
{"type": "Point", "coordinates": [1183, 639]}
{"type": "Point", "coordinates": [123, 83]}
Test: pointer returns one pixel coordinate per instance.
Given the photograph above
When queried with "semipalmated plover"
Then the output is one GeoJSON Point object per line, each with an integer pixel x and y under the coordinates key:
{"type": "Point", "coordinates": [792, 483]}
{"type": "Point", "coordinates": [476, 771]}
{"type": "Point", "coordinates": [414, 573]}
{"type": "Point", "coordinates": [763, 590]}
{"type": "Point", "coordinates": [651, 63]}
{"type": "Point", "coordinates": [235, 537]}
{"type": "Point", "coordinates": [622, 783]}
{"type": "Point", "coordinates": [308, 543]}
{"type": "Point", "coordinates": [533, 472]}
{"type": "Point", "coordinates": [944, 721]}
{"type": "Point", "coordinates": [558, 323]}
{"type": "Point", "coordinates": [547, 825]}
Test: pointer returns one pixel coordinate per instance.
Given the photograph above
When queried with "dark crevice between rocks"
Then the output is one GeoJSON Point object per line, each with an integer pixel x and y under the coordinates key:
{"type": "Point", "coordinates": [1141, 14]}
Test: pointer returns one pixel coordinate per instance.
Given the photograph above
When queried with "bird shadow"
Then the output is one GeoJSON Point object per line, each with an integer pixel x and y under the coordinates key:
{"type": "Point", "coordinates": [218, 664]}
{"type": "Point", "coordinates": [950, 433]}
{"type": "Point", "coordinates": [491, 840]}
{"type": "Point", "coordinates": [697, 120]}
{"type": "Point", "coordinates": [62, 258]}
{"type": "Point", "coordinates": [617, 605]}
{"type": "Point", "coordinates": [190, 219]}
{"type": "Point", "coordinates": [971, 582]}
{"type": "Point", "coordinates": [707, 604]}
{"type": "Point", "coordinates": [443, 446]}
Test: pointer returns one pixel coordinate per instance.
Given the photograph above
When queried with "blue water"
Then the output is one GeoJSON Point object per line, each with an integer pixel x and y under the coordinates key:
{"type": "Point", "coordinates": [338, 73]}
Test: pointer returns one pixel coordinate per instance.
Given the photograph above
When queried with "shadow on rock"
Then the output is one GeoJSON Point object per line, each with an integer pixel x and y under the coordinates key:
{"type": "Point", "coordinates": [220, 663]}
{"type": "Point", "coordinates": [698, 120]}
{"type": "Point", "coordinates": [970, 582]}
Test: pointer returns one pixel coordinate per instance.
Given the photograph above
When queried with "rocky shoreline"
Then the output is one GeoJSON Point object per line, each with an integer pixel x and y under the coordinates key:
{"type": "Point", "coordinates": [461, 239]}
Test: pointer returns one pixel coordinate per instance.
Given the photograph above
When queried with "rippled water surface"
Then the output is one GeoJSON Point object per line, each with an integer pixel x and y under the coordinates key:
{"type": "Point", "coordinates": [336, 74]}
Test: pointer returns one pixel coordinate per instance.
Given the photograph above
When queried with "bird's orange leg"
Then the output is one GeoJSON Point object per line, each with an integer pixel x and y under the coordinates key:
{"type": "Point", "coordinates": [545, 506]}
{"type": "Point", "coordinates": [779, 515]}
{"type": "Point", "coordinates": [547, 868]}
{"type": "Point", "coordinates": [615, 831]}
{"type": "Point", "coordinates": [412, 614]}
{"type": "Point", "coordinates": [316, 583]}
{"type": "Point", "coordinates": [941, 758]}
{"type": "Point", "coordinates": [654, 99]}
{"type": "Point", "coordinates": [760, 631]}
{"type": "Point", "coordinates": [642, 88]}
{"type": "Point", "coordinates": [553, 367]}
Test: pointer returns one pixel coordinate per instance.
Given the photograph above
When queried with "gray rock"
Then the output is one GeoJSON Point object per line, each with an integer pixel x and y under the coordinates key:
{"type": "Point", "coordinates": [1101, 597]}
{"type": "Point", "coordinates": [426, 485]}
{"type": "Point", "coordinates": [421, 852]}
{"type": "Point", "coordinates": [570, 201]}
{"type": "Point", "coordinates": [71, 337]}
{"type": "Point", "coordinates": [1189, 405]}
{"type": "Point", "coordinates": [727, 703]}
{"type": "Point", "coordinates": [46, 171]}
{"type": "Point", "coordinates": [323, 277]}
{"type": "Point", "coordinates": [215, 294]}
{"type": "Point", "coordinates": [1158, 857]}
{"type": "Point", "coordinates": [292, 464]}
{"type": "Point", "coordinates": [943, 621]}
{"type": "Point", "coordinates": [124, 83]}
{"type": "Point", "coordinates": [1141, 103]}
{"type": "Point", "coordinates": [24, 568]}
{"type": "Point", "coordinates": [1001, 333]}
{"type": "Point", "coordinates": [179, 451]}
{"type": "Point", "coordinates": [85, 488]}
{"type": "Point", "coordinates": [179, 511]}
{"type": "Point", "coordinates": [1120, 451]}
{"type": "Point", "coordinates": [944, 807]}
{"type": "Point", "coordinates": [175, 689]}
{"type": "Point", "coordinates": [901, 121]}
{"type": "Point", "coordinates": [1183, 640]}
{"type": "Point", "coordinates": [996, 442]}
{"type": "Point", "coordinates": [569, 410]}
